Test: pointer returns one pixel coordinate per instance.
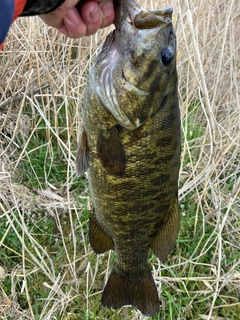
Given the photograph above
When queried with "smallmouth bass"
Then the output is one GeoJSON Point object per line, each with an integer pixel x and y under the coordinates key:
{"type": "Point", "coordinates": [130, 146]}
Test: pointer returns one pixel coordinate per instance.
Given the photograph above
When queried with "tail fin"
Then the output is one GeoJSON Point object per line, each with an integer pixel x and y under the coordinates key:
{"type": "Point", "coordinates": [124, 289]}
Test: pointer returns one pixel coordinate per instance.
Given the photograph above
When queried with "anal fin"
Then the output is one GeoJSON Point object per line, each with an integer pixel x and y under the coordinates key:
{"type": "Point", "coordinates": [164, 241]}
{"type": "Point", "coordinates": [82, 158]}
{"type": "Point", "coordinates": [125, 289]}
{"type": "Point", "coordinates": [111, 151]}
{"type": "Point", "coordinates": [98, 238]}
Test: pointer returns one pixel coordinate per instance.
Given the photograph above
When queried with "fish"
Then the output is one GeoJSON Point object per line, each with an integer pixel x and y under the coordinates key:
{"type": "Point", "coordinates": [130, 146]}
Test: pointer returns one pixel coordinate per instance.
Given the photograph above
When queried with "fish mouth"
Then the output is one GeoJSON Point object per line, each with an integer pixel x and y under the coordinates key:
{"type": "Point", "coordinates": [139, 18]}
{"type": "Point", "coordinates": [153, 19]}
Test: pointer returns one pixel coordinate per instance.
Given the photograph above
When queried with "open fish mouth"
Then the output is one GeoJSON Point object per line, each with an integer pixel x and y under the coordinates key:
{"type": "Point", "coordinates": [153, 19]}
{"type": "Point", "coordinates": [136, 16]}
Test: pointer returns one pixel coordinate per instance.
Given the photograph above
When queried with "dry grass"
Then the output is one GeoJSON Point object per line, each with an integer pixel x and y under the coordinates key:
{"type": "Point", "coordinates": [51, 271]}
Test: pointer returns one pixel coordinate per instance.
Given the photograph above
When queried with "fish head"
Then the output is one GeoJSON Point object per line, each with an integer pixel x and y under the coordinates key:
{"type": "Point", "coordinates": [133, 69]}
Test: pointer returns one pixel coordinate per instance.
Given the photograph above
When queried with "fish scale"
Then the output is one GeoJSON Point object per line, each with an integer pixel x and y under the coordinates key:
{"type": "Point", "coordinates": [130, 146]}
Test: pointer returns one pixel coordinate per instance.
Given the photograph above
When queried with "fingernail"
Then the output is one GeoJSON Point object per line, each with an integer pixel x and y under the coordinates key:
{"type": "Point", "coordinates": [73, 16]}
{"type": "Point", "coordinates": [107, 9]}
{"type": "Point", "coordinates": [95, 15]}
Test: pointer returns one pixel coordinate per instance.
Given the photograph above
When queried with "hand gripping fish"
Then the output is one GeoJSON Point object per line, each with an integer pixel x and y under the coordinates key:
{"type": "Point", "coordinates": [130, 146]}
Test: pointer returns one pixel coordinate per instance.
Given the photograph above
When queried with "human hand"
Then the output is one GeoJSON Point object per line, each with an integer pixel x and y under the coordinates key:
{"type": "Point", "coordinates": [76, 18]}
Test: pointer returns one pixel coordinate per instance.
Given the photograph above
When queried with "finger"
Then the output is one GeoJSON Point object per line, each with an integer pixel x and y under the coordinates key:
{"type": "Point", "coordinates": [73, 25]}
{"type": "Point", "coordinates": [55, 18]}
{"type": "Point", "coordinates": [107, 12]}
{"type": "Point", "coordinates": [96, 14]}
{"type": "Point", "coordinates": [91, 15]}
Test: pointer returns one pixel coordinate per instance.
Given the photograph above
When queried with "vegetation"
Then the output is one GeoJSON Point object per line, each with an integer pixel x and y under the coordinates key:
{"type": "Point", "coordinates": [51, 271]}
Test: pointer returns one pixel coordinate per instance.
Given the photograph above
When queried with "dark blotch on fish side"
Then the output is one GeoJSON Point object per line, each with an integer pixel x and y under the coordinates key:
{"type": "Point", "coordinates": [164, 159]}
{"type": "Point", "coordinates": [167, 122]}
{"type": "Point", "coordinates": [164, 141]}
{"type": "Point", "coordinates": [162, 178]}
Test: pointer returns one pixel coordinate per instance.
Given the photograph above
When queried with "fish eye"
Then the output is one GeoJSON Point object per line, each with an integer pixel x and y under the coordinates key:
{"type": "Point", "coordinates": [167, 56]}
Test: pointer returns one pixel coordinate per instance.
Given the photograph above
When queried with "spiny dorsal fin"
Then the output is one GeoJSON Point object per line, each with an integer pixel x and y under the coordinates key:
{"type": "Point", "coordinates": [98, 238]}
{"type": "Point", "coordinates": [82, 159]}
{"type": "Point", "coordinates": [111, 151]}
{"type": "Point", "coordinates": [165, 239]}
{"type": "Point", "coordinates": [124, 289]}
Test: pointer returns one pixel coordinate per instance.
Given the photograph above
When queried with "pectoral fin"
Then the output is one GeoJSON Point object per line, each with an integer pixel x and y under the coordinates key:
{"type": "Point", "coordinates": [164, 241]}
{"type": "Point", "coordinates": [98, 238]}
{"type": "Point", "coordinates": [111, 151]}
{"type": "Point", "coordinates": [82, 159]}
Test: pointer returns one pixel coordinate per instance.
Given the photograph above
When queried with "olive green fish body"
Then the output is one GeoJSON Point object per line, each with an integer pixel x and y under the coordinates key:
{"type": "Point", "coordinates": [130, 145]}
